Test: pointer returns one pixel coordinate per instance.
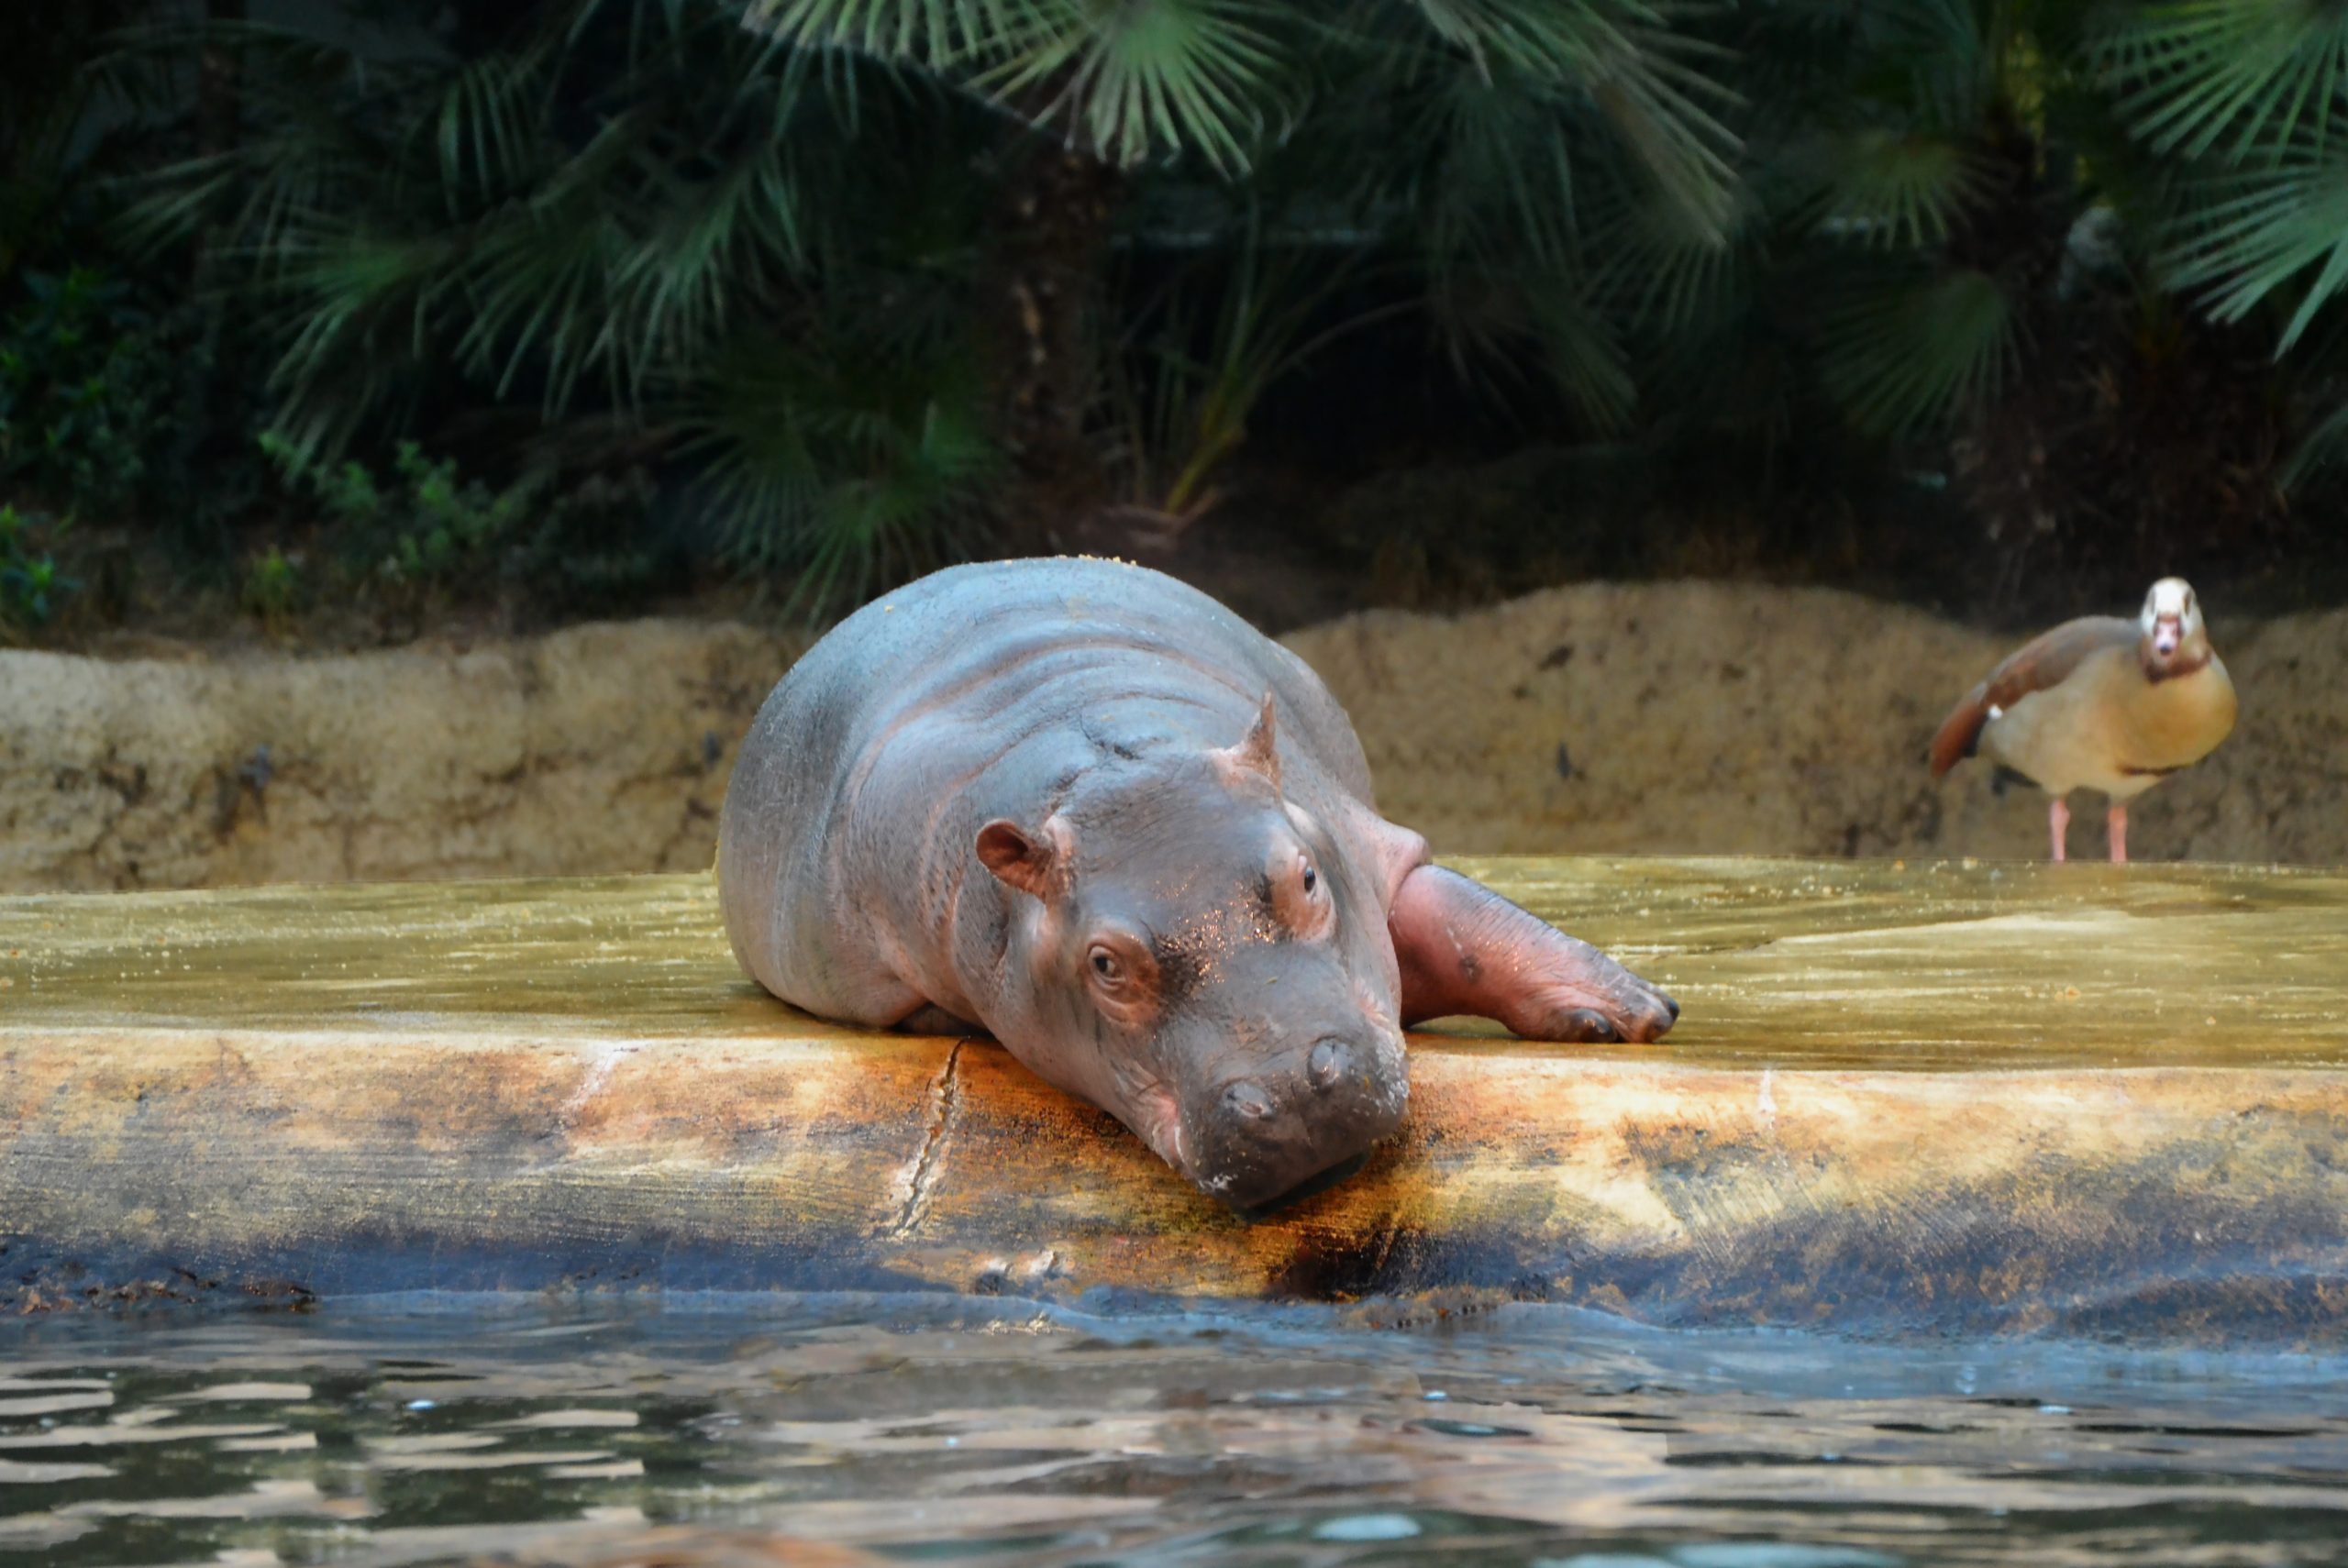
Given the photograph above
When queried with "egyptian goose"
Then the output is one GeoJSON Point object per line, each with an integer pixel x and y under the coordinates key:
{"type": "Point", "coordinates": [2099, 703]}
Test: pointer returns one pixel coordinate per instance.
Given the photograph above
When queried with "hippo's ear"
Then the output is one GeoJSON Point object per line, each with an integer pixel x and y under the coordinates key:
{"type": "Point", "coordinates": [1032, 865]}
{"type": "Point", "coordinates": [1258, 750]}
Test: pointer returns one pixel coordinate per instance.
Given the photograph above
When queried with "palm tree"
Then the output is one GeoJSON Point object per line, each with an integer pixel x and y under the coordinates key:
{"type": "Point", "coordinates": [847, 272]}
{"type": "Point", "coordinates": [2079, 257]}
{"type": "Point", "coordinates": [840, 261]}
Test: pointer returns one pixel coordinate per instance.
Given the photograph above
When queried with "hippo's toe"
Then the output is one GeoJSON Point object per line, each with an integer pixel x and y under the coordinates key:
{"type": "Point", "coordinates": [1583, 1025]}
{"type": "Point", "coordinates": [1648, 1018]}
{"type": "Point", "coordinates": [1637, 1014]}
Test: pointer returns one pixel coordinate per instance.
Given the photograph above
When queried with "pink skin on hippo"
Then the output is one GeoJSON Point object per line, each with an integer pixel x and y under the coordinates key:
{"type": "Point", "coordinates": [1087, 809]}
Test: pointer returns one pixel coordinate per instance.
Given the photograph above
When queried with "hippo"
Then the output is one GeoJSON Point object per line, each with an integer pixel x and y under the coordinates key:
{"type": "Point", "coordinates": [1079, 806]}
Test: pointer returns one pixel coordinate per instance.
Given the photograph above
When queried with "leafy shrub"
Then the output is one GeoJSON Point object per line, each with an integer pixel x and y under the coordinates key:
{"type": "Point", "coordinates": [847, 469]}
{"type": "Point", "coordinates": [420, 529]}
{"type": "Point", "coordinates": [31, 586]}
{"type": "Point", "coordinates": [594, 547]}
{"type": "Point", "coordinates": [423, 531]}
{"type": "Point", "coordinates": [562, 230]}
{"type": "Point", "coordinates": [793, 257]}
{"type": "Point", "coordinates": [89, 390]}
{"type": "Point", "coordinates": [272, 587]}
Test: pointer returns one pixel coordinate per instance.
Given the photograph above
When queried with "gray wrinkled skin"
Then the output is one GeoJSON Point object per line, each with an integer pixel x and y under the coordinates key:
{"type": "Point", "coordinates": [1087, 809]}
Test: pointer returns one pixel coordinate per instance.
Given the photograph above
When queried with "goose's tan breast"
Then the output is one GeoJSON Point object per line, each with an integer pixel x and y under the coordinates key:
{"type": "Point", "coordinates": [2107, 727]}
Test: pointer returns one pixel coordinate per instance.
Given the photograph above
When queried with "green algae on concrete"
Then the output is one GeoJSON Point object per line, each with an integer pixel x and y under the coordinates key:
{"type": "Point", "coordinates": [1922, 1096]}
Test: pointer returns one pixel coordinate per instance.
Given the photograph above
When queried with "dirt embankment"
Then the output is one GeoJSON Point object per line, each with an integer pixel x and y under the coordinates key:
{"type": "Point", "coordinates": [599, 748]}
{"type": "Point", "coordinates": [1701, 718]}
{"type": "Point", "coordinates": [1680, 717]}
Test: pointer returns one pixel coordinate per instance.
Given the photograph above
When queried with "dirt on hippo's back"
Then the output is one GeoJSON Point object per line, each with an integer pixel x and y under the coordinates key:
{"type": "Point", "coordinates": [1674, 717]}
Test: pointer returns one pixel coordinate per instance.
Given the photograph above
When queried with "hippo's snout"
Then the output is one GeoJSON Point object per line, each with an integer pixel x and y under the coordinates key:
{"type": "Point", "coordinates": [1253, 1140]}
{"type": "Point", "coordinates": [1248, 1102]}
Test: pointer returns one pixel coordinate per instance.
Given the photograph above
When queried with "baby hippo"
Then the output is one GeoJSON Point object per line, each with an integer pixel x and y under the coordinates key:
{"type": "Point", "coordinates": [1087, 809]}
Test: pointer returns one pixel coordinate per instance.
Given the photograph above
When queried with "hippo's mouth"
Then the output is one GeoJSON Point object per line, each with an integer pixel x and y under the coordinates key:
{"type": "Point", "coordinates": [1158, 1121]}
{"type": "Point", "coordinates": [1306, 1188]}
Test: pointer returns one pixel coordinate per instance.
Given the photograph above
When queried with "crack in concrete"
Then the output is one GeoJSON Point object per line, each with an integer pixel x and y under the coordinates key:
{"type": "Point", "coordinates": [925, 1167]}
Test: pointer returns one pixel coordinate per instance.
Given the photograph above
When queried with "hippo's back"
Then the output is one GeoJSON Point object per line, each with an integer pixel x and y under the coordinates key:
{"type": "Point", "coordinates": [954, 699]}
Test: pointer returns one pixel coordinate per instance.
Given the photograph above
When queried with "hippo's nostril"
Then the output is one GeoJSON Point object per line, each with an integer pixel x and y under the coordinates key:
{"type": "Point", "coordinates": [1674, 1006]}
{"type": "Point", "coordinates": [1249, 1099]}
{"type": "Point", "coordinates": [1328, 1063]}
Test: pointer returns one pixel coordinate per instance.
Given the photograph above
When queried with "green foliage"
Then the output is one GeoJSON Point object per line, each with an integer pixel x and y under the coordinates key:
{"type": "Point", "coordinates": [1197, 365]}
{"type": "Point", "coordinates": [88, 392]}
{"type": "Point", "coordinates": [569, 228]}
{"type": "Point", "coordinates": [728, 280]}
{"type": "Point", "coordinates": [1907, 351]}
{"type": "Point", "coordinates": [2248, 100]}
{"type": "Point", "coordinates": [2239, 76]}
{"type": "Point", "coordinates": [843, 469]}
{"type": "Point", "coordinates": [420, 528]}
{"type": "Point", "coordinates": [421, 532]}
{"type": "Point", "coordinates": [31, 585]}
{"type": "Point", "coordinates": [2250, 235]}
{"type": "Point", "coordinates": [1130, 81]}
{"type": "Point", "coordinates": [54, 71]}
{"type": "Point", "coordinates": [272, 587]}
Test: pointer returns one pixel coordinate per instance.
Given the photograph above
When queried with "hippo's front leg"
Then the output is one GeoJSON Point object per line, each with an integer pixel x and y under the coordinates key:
{"type": "Point", "coordinates": [1466, 951]}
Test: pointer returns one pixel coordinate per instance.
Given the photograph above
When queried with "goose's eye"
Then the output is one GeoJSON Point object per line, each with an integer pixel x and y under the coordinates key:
{"type": "Point", "coordinates": [1105, 966]}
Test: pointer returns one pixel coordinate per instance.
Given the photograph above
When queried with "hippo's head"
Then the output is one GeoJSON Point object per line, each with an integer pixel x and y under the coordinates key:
{"type": "Point", "coordinates": [1196, 954]}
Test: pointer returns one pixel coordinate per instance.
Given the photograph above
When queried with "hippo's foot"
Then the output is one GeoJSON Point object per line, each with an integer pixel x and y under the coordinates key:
{"type": "Point", "coordinates": [1464, 950]}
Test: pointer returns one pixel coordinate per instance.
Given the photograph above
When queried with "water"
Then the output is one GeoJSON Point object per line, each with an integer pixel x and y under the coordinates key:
{"type": "Point", "coordinates": [853, 1430]}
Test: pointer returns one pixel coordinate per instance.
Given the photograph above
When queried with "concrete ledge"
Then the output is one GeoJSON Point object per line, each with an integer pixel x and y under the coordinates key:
{"type": "Point", "coordinates": [1925, 1099]}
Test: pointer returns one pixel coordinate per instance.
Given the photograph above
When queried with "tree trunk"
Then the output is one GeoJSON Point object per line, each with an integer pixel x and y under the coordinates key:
{"type": "Point", "coordinates": [1042, 301]}
{"type": "Point", "coordinates": [216, 80]}
{"type": "Point", "coordinates": [217, 108]}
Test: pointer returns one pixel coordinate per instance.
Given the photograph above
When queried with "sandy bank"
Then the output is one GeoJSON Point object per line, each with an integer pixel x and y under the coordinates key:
{"type": "Point", "coordinates": [1683, 717]}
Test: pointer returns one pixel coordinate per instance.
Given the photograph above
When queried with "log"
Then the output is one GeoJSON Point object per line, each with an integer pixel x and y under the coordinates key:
{"type": "Point", "coordinates": [1938, 1097]}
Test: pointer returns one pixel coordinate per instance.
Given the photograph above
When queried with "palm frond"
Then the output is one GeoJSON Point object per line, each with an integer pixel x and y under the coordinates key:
{"type": "Point", "coordinates": [2248, 235]}
{"type": "Point", "coordinates": [2259, 73]}
{"type": "Point", "coordinates": [1910, 350]}
{"type": "Point", "coordinates": [2324, 445]}
{"type": "Point", "coordinates": [1500, 179]}
{"type": "Point", "coordinates": [1896, 190]}
{"type": "Point", "coordinates": [1662, 277]}
{"type": "Point", "coordinates": [1131, 82]}
{"type": "Point", "coordinates": [1586, 358]}
{"type": "Point", "coordinates": [1224, 334]}
{"type": "Point", "coordinates": [1937, 59]}
{"type": "Point", "coordinates": [843, 469]}
{"type": "Point", "coordinates": [1647, 82]}
{"type": "Point", "coordinates": [486, 125]}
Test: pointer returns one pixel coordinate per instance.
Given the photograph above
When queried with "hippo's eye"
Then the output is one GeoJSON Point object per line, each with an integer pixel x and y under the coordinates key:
{"type": "Point", "coordinates": [1311, 877]}
{"type": "Point", "coordinates": [1105, 966]}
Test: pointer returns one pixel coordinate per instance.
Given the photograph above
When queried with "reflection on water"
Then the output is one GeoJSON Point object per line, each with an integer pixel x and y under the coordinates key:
{"type": "Point", "coordinates": [837, 1431]}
